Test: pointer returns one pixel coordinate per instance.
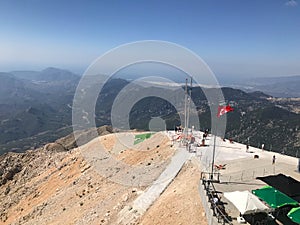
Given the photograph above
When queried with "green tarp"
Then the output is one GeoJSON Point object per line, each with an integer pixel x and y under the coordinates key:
{"type": "Point", "coordinates": [273, 197]}
{"type": "Point", "coordinates": [294, 215]}
{"type": "Point", "coordinates": [141, 137]}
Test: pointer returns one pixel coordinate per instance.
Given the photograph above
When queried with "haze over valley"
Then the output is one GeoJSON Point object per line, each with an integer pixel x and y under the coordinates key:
{"type": "Point", "coordinates": [149, 112]}
{"type": "Point", "coordinates": [37, 108]}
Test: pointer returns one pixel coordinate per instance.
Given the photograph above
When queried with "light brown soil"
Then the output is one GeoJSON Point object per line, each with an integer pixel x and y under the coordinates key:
{"type": "Point", "coordinates": [153, 150]}
{"type": "Point", "coordinates": [62, 188]}
{"type": "Point", "coordinates": [108, 141]}
{"type": "Point", "coordinates": [180, 203]}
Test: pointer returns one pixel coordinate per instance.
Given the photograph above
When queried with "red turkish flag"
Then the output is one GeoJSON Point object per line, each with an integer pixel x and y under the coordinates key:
{"type": "Point", "coordinates": [223, 110]}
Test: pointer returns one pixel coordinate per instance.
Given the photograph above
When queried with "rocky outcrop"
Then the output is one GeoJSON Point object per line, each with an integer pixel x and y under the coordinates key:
{"type": "Point", "coordinates": [13, 163]}
{"type": "Point", "coordinates": [56, 184]}
{"type": "Point", "coordinates": [69, 142]}
{"type": "Point", "coordinates": [9, 166]}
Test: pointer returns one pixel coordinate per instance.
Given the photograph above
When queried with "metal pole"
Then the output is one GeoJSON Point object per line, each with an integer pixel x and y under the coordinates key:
{"type": "Point", "coordinates": [188, 108]}
{"type": "Point", "coordinates": [188, 116]}
{"type": "Point", "coordinates": [187, 124]}
{"type": "Point", "coordinates": [214, 150]}
{"type": "Point", "coordinates": [213, 158]}
{"type": "Point", "coordinates": [185, 107]}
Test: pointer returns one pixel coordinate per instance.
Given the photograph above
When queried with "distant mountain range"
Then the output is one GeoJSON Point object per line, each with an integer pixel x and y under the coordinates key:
{"type": "Point", "coordinates": [47, 75]}
{"type": "Point", "coordinates": [285, 86]}
{"type": "Point", "coordinates": [255, 120]}
{"type": "Point", "coordinates": [36, 108]}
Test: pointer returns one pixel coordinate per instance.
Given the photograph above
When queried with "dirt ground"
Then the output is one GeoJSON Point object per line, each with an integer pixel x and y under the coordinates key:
{"type": "Point", "coordinates": [63, 188]}
{"type": "Point", "coordinates": [153, 150]}
{"type": "Point", "coordinates": [180, 202]}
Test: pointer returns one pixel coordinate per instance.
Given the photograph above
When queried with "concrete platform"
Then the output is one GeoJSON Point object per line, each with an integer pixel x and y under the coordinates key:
{"type": "Point", "coordinates": [242, 168]}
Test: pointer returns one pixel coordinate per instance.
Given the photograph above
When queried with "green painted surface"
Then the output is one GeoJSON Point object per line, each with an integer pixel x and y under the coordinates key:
{"type": "Point", "coordinates": [141, 137]}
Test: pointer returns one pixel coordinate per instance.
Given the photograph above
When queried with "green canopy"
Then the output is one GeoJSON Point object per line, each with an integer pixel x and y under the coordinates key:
{"type": "Point", "coordinates": [294, 215]}
{"type": "Point", "coordinates": [273, 197]}
{"type": "Point", "coordinates": [141, 137]}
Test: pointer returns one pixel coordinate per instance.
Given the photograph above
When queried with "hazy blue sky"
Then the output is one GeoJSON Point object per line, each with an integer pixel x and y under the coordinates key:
{"type": "Point", "coordinates": [242, 38]}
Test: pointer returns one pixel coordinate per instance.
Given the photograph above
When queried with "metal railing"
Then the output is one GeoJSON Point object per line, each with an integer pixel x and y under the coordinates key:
{"type": "Point", "coordinates": [212, 177]}
{"type": "Point", "coordinates": [248, 175]}
{"type": "Point", "coordinates": [217, 209]}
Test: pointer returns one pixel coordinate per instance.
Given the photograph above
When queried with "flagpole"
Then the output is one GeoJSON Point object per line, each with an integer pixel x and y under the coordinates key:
{"type": "Point", "coordinates": [220, 113]}
{"type": "Point", "coordinates": [214, 151]}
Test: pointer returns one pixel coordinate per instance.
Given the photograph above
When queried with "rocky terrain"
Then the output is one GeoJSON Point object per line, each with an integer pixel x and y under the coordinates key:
{"type": "Point", "coordinates": [281, 87]}
{"type": "Point", "coordinates": [180, 203]}
{"type": "Point", "coordinates": [56, 184]}
{"type": "Point", "coordinates": [36, 108]}
{"type": "Point", "coordinates": [291, 104]}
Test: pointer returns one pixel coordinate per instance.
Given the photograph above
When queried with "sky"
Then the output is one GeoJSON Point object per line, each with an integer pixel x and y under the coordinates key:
{"type": "Point", "coordinates": [234, 37]}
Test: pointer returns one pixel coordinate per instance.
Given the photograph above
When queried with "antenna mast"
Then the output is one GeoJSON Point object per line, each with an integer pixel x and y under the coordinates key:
{"type": "Point", "coordinates": [185, 108]}
{"type": "Point", "coordinates": [189, 105]}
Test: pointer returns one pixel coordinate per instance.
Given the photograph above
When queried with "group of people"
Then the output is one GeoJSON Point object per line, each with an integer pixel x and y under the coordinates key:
{"type": "Point", "coordinates": [217, 206]}
{"type": "Point", "coordinates": [273, 158]}
{"type": "Point", "coordinates": [178, 129]}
